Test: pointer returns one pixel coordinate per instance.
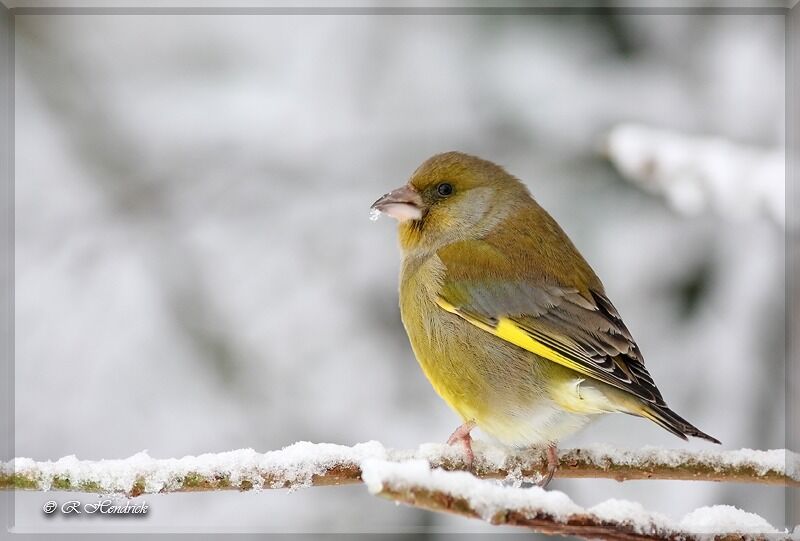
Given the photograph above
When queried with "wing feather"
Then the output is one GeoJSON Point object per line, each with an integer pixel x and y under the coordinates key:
{"type": "Point", "coordinates": [557, 322]}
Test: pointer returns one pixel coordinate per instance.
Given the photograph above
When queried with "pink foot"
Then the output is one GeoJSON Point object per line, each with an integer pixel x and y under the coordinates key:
{"type": "Point", "coordinates": [461, 437]}
{"type": "Point", "coordinates": [552, 465]}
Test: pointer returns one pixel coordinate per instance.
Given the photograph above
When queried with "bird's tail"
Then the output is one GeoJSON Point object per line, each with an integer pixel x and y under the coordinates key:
{"type": "Point", "coordinates": [669, 420]}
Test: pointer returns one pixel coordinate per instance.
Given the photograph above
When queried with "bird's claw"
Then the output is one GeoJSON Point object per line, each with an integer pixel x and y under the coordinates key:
{"type": "Point", "coordinates": [461, 437]}
{"type": "Point", "coordinates": [552, 466]}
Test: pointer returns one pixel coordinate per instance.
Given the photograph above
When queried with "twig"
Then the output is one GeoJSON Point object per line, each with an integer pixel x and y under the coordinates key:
{"type": "Point", "coordinates": [603, 462]}
{"type": "Point", "coordinates": [693, 173]}
{"type": "Point", "coordinates": [547, 512]}
{"type": "Point", "coordinates": [306, 464]}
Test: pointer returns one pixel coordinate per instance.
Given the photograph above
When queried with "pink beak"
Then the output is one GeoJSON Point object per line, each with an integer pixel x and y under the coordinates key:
{"type": "Point", "coordinates": [401, 204]}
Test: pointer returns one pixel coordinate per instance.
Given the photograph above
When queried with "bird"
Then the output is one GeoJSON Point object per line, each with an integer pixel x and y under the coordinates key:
{"type": "Point", "coordinates": [509, 323]}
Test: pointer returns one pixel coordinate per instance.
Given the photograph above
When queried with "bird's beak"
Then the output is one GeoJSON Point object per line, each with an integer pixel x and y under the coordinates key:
{"type": "Point", "coordinates": [401, 204]}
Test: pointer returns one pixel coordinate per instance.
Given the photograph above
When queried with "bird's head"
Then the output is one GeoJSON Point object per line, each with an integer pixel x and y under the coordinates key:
{"type": "Point", "coordinates": [451, 197]}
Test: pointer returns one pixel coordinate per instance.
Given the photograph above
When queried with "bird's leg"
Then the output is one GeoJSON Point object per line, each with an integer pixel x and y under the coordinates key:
{"type": "Point", "coordinates": [552, 465]}
{"type": "Point", "coordinates": [461, 437]}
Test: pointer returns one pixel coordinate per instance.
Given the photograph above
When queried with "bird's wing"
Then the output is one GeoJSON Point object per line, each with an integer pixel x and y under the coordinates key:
{"type": "Point", "coordinates": [580, 330]}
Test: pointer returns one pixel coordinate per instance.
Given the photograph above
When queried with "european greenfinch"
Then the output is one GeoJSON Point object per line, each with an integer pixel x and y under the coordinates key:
{"type": "Point", "coordinates": [508, 321]}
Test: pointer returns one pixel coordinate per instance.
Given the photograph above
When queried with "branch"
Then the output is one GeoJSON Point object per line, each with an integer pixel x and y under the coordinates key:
{"type": "Point", "coordinates": [306, 464]}
{"type": "Point", "coordinates": [697, 173]}
{"type": "Point", "coordinates": [415, 483]}
{"type": "Point", "coordinates": [606, 462]}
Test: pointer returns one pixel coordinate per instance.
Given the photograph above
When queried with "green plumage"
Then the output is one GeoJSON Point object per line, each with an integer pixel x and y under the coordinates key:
{"type": "Point", "coordinates": [507, 320]}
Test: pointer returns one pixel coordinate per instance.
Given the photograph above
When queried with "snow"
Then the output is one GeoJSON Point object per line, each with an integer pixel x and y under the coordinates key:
{"type": "Point", "coordinates": [779, 461]}
{"type": "Point", "coordinates": [292, 466]}
{"type": "Point", "coordinates": [374, 214]}
{"type": "Point", "coordinates": [695, 173]}
{"type": "Point", "coordinates": [626, 512]}
{"type": "Point", "coordinates": [490, 457]}
{"type": "Point", "coordinates": [485, 497]}
{"type": "Point", "coordinates": [489, 498]}
{"type": "Point", "coordinates": [296, 465]}
{"type": "Point", "coordinates": [487, 457]}
{"type": "Point", "coordinates": [721, 517]}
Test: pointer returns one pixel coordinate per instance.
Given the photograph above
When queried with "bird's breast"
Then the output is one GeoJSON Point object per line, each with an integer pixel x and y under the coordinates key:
{"type": "Point", "coordinates": [434, 334]}
{"type": "Point", "coordinates": [459, 359]}
{"type": "Point", "coordinates": [482, 377]}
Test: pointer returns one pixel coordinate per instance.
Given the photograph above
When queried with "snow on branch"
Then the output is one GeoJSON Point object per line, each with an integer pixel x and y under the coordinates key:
{"type": "Point", "coordinates": [695, 173]}
{"type": "Point", "coordinates": [305, 464]}
{"type": "Point", "coordinates": [302, 464]}
{"type": "Point", "coordinates": [552, 512]}
{"type": "Point", "coordinates": [429, 478]}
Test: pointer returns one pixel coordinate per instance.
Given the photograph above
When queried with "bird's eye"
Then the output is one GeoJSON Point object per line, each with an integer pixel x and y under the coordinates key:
{"type": "Point", "coordinates": [444, 189]}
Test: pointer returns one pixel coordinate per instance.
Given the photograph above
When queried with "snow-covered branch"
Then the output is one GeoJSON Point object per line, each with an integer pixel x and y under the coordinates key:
{"type": "Point", "coordinates": [306, 464]}
{"type": "Point", "coordinates": [429, 478]}
{"type": "Point", "coordinates": [695, 173]}
{"type": "Point", "coordinates": [415, 483]}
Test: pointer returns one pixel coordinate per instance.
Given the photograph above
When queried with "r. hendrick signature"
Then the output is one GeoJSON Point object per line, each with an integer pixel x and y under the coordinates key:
{"type": "Point", "coordinates": [103, 507]}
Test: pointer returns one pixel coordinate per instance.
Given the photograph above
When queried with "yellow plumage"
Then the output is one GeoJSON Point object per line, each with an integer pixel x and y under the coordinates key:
{"type": "Point", "coordinates": [507, 320]}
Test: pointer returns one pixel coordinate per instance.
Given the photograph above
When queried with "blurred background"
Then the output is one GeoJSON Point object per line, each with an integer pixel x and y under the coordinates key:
{"type": "Point", "coordinates": [196, 272]}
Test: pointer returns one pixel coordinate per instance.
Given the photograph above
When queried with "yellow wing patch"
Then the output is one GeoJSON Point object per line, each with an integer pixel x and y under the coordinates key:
{"type": "Point", "coordinates": [510, 332]}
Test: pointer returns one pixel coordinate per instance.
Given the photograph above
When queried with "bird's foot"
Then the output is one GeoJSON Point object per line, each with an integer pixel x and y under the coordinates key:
{"type": "Point", "coordinates": [552, 465]}
{"type": "Point", "coordinates": [461, 437]}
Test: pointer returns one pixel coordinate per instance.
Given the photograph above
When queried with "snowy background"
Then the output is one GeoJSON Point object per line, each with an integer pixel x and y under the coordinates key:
{"type": "Point", "coordinates": [196, 271]}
